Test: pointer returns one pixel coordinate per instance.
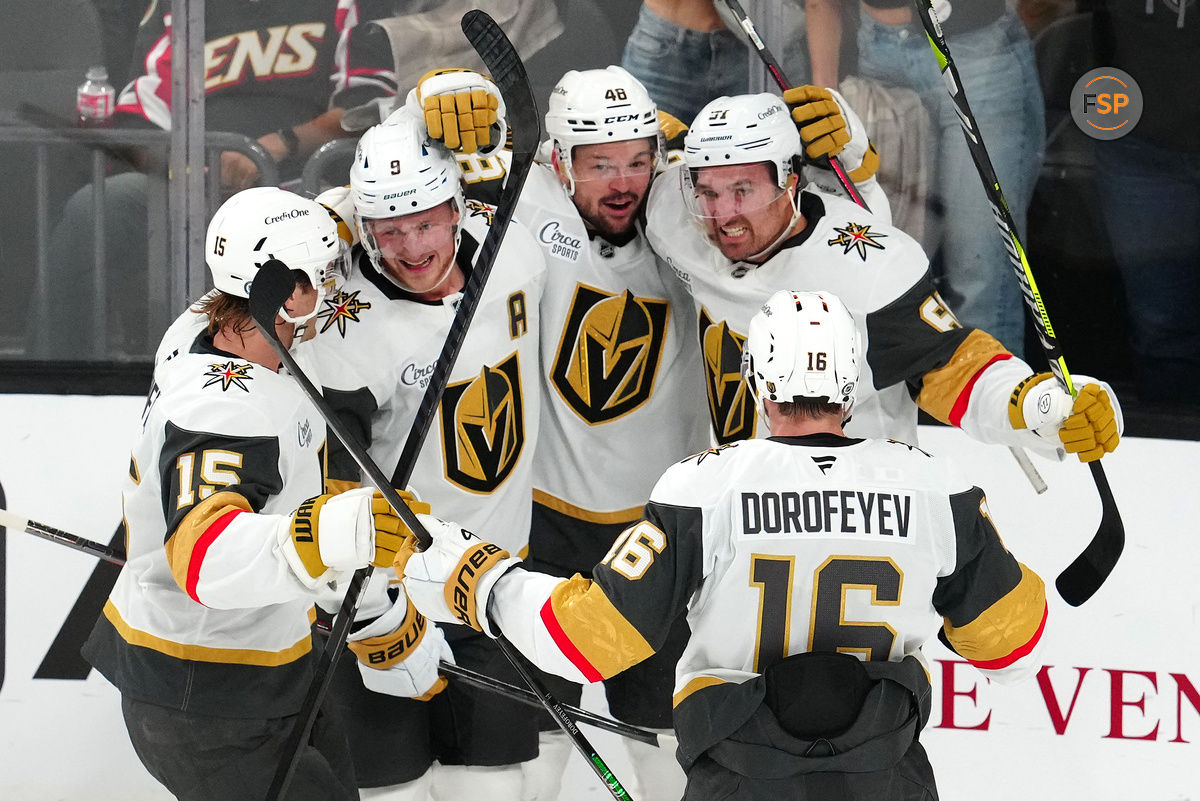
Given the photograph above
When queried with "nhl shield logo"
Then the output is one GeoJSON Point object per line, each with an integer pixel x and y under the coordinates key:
{"type": "Point", "coordinates": [729, 400]}
{"type": "Point", "coordinates": [483, 427]}
{"type": "Point", "coordinates": [609, 353]}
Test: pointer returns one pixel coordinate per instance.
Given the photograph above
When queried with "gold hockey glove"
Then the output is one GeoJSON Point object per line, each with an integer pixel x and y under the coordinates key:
{"type": "Point", "coordinates": [823, 129]}
{"type": "Point", "coordinates": [460, 108]}
{"type": "Point", "coordinates": [1089, 425]}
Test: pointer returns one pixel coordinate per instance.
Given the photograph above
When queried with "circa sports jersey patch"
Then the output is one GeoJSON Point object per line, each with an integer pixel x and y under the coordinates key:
{"type": "Point", "coordinates": [729, 400]}
{"type": "Point", "coordinates": [853, 236]}
{"type": "Point", "coordinates": [483, 427]}
{"type": "Point", "coordinates": [609, 352]}
{"type": "Point", "coordinates": [341, 309]}
{"type": "Point", "coordinates": [559, 242]}
{"type": "Point", "coordinates": [229, 374]}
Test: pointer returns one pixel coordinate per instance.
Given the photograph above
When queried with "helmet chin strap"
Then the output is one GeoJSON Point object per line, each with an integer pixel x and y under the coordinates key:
{"type": "Point", "coordinates": [793, 194]}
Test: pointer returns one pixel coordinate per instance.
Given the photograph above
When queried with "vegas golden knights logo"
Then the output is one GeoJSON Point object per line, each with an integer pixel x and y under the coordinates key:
{"type": "Point", "coordinates": [729, 400]}
{"type": "Point", "coordinates": [609, 352]}
{"type": "Point", "coordinates": [483, 427]}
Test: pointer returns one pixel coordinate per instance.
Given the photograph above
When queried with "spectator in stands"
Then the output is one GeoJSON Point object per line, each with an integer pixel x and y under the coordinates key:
{"type": "Point", "coordinates": [270, 70]}
{"type": "Point", "coordinates": [1149, 190]}
{"type": "Point", "coordinates": [992, 52]}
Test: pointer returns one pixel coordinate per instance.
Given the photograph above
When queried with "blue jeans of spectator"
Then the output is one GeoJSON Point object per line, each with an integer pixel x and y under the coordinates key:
{"type": "Point", "coordinates": [1150, 199]}
{"type": "Point", "coordinates": [995, 63]}
{"type": "Point", "coordinates": [63, 318]}
{"type": "Point", "coordinates": [683, 69]}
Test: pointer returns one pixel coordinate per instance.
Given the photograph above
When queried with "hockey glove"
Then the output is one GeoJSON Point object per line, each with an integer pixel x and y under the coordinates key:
{"type": "Point", "coordinates": [339, 202]}
{"type": "Point", "coordinates": [399, 651]}
{"type": "Point", "coordinates": [460, 108]}
{"type": "Point", "coordinates": [828, 127]}
{"type": "Point", "coordinates": [452, 581]}
{"type": "Point", "coordinates": [1088, 425]}
{"type": "Point", "coordinates": [329, 534]}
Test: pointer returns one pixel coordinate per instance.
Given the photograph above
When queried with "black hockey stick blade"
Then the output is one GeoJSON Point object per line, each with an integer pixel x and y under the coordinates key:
{"type": "Point", "coordinates": [1084, 576]}
{"type": "Point", "coordinates": [508, 73]}
{"type": "Point", "coordinates": [1080, 580]}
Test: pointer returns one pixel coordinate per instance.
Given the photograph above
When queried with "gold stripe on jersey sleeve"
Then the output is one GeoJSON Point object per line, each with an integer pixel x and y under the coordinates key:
{"type": "Point", "coordinates": [698, 683]}
{"type": "Point", "coordinates": [336, 486]}
{"type": "Point", "coordinates": [598, 631]}
{"type": "Point", "coordinates": [181, 544]}
{"type": "Point", "coordinates": [204, 653]}
{"type": "Point", "coordinates": [1006, 625]}
{"type": "Point", "coordinates": [586, 515]}
{"type": "Point", "coordinates": [941, 388]}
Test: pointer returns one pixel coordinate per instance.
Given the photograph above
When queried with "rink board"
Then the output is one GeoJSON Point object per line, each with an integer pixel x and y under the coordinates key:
{"type": "Point", "coordinates": [1113, 715]}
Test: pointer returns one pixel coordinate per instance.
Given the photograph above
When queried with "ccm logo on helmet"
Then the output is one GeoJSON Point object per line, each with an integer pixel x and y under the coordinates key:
{"type": "Point", "coordinates": [287, 215]}
{"type": "Point", "coordinates": [621, 118]}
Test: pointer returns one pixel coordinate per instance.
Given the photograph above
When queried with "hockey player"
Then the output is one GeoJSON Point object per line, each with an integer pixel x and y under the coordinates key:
{"type": "Point", "coordinates": [811, 565]}
{"type": "Point", "coordinates": [620, 383]}
{"type": "Point", "coordinates": [381, 338]}
{"type": "Point", "coordinates": [759, 231]}
{"type": "Point", "coordinates": [207, 631]}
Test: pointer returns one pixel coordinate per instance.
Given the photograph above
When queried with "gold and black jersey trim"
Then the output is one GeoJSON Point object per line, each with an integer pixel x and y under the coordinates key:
{"type": "Point", "coordinates": [609, 353]}
{"type": "Point", "coordinates": [730, 402]}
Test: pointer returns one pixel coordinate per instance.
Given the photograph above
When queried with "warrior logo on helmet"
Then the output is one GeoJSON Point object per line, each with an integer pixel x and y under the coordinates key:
{"type": "Point", "coordinates": [729, 401]}
{"type": "Point", "coordinates": [609, 352]}
{"type": "Point", "coordinates": [483, 427]}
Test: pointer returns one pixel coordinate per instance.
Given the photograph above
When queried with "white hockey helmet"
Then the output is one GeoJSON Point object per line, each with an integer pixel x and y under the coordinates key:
{"type": "Point", "coordinates": [267, 222]}
{"type": "Point", "coordinates": [744, 129]}
{"type": "Point", "coordinates": [802, 345]}
{"type": "Point", "coordinates": [398, 171]}
{"type": "Point", "coordinates": [590, 107]}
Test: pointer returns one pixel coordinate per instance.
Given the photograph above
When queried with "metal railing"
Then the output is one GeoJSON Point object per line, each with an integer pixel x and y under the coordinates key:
{"type": "Point", "coordinates": [165, 288]}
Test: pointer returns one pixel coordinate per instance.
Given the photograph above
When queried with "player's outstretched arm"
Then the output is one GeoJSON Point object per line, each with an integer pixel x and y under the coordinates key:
{"type": "Point", "coordinates": [461, 578]}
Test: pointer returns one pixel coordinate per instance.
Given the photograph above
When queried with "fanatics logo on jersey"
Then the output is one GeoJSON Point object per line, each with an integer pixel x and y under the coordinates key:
{"type": "Point", "coordinates": [856, 237]}
{"type": "Point", "coordinates": [483, 427]}
{"type": "Point", "coordinates": [229, 374]}
{"type": "Point", "coordinates": [824, 462]}
{"type": "Point", "coordinates": [609, 352]}
{"type": "Point", "coordinates": [729, 400]}
{"type": "Point", "coordinates": [341, 309]}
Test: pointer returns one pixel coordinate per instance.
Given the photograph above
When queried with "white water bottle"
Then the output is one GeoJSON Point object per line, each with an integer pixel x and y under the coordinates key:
{"type": "Point", "coordinates": [95, 100]}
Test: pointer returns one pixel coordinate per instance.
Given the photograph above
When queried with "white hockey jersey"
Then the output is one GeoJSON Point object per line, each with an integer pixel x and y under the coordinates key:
{"type": "Point", "coordinates": [781, 546]}
{"type": "Point", "coordinates": [376, 349]}
{"type": "Point", "coordinates": [621, 398]}
{"type": "Point", "coordinates": [915, 348]}
{"type": "Point", "coordinates": [206, 614]}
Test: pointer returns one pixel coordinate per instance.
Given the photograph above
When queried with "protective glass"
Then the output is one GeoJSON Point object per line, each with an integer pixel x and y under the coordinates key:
{"type": "Point", "coordinates": [401, 236]}
{"type": "Point", "coordinates": [710, 196]}
{"type": "Point", "coordinates": [605, 169]}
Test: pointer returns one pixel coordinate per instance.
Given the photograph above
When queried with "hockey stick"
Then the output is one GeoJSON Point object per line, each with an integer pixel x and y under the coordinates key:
{"type": "Point", "coordinates": [15, 522]}
{"type": "Point", "coordinates": [747, 25]}
{"type": "Point", "coordinates": [277, 284]}
{"type": "Point", "coordinates": [521, 695]}
{"type": "Point", "coordinates": [1080, 580]}
{"type": "Point", "coordinates": [776, 71]}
